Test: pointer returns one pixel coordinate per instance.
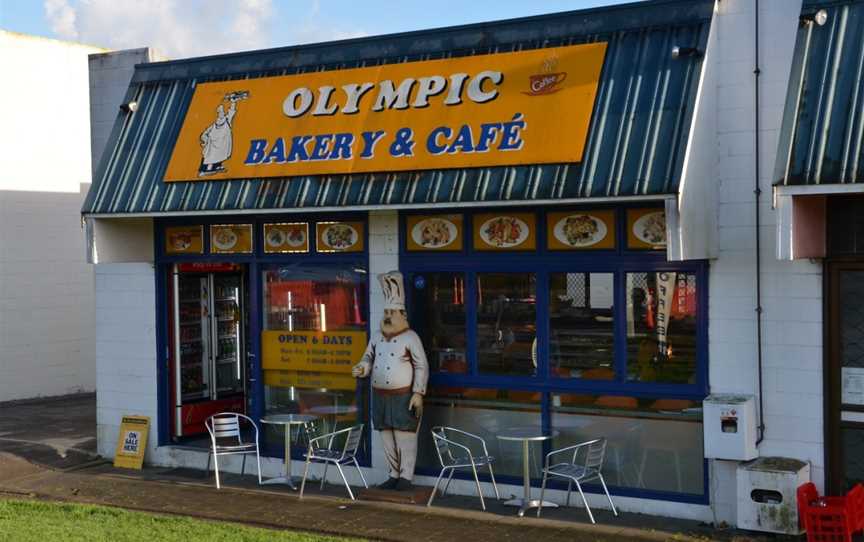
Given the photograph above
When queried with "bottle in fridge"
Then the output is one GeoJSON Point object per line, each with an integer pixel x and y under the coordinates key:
{"type": "Point", "coordinates": [207, 354]}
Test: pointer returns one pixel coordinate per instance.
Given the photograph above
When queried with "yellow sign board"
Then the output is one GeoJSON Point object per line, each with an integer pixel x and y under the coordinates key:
{"type": "Point", "coordinates": [231, 238]}
{"type": "Point", "coordinates": [316, 351]}
{"type": "Point", "coordinates": [184, 240]}
{"type": "Point", "coordinates": [132, 442]}
{"type": "Point", "coordinates": [310, 380]}
{"type": "Point", "coordinates": [525, 107]}
{"type": "Point", "coordinates": [646, 229]}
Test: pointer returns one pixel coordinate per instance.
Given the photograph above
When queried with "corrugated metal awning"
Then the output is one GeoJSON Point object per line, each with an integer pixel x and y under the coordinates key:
{"type": "Point", "coordinates": [822, 136]}
{"type": "Point", "coordinates": [636, 140]}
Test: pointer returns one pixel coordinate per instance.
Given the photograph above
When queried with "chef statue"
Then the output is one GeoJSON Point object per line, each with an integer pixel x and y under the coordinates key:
{"type": "Point", "coordinates": [396, 359]}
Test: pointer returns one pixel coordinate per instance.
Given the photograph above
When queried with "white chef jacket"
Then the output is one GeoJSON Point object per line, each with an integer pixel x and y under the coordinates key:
{"type": "Point", "coordinates": [397, 362]}
{"type": "Point", "coordinates": [217, 140]}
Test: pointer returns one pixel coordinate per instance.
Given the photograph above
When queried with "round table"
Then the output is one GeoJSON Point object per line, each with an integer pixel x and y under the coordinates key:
{"type": "Point", "coordinates": [286, 420]}
{"type": "Point", "coordinates": [333, 411]}
{"type": "Point", "coordinates": [526, 435]}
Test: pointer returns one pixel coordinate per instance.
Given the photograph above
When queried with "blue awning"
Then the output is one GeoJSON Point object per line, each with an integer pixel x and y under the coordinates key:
{"type": "Point", "coordinates": [635, 148]}
{"type": "Point", "coordinates": [822, 136]}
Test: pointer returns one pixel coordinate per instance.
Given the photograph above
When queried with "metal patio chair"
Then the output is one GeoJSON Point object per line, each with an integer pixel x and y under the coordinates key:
{"type": "Point", "coordinates": [225, 426]}
{"type": "Point", "coordinates": [578, 471]}
{"type": "Point", "coordinates": [320, 450]}
{"type": "Point", "coordinates": [463, 458]}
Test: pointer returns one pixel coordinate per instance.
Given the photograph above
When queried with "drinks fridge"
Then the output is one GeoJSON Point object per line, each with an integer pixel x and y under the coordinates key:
{"type": "Point", "coordinates": [207, 357]}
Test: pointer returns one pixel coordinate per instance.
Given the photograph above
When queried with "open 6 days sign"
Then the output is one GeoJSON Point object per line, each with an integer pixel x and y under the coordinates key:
{"type": "Point", "coordinates": [527, 107]}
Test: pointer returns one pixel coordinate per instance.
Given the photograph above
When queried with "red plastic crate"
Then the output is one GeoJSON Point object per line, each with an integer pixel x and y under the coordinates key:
{"type": "Point", "coordinates": [831, 519]}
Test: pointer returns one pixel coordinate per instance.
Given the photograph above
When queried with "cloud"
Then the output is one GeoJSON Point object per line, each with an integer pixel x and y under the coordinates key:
{"type": "Point", "coordinates": [184, 28]}
{"type": "Point", "coordinates": [61, 17]}
{"type": "Point", "coordinates": [178, 28]}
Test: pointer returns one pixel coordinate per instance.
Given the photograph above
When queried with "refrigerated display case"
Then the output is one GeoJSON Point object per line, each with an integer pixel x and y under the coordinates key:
{"type": "Point", "coordinates": [208, 327]}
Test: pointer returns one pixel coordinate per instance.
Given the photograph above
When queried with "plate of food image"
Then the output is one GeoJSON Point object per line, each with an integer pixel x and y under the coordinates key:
{"type": "Point", "coordinates": [295, 236]}
{"type": "Point", "coordinates": [181, 241]}
{"type": "Point", "coordinates": [339, 236]}
{"type": "Point", "coordinates": [434, 233]}
{"type": "Point", "coordinates": [504, 232]}
{"type": "Point", "coordinates": [276, 238]}
{"type": "Point", "coordinates": [651, 228]}
{"type": "Point", "coordinates": [580, 230]}
{"type": "Point", "coordinates": [224, 239]}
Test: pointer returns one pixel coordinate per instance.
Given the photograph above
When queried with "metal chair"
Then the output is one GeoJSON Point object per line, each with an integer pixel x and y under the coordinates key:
{"type": "Point", "coordinates": [226, 425]}
{"type": "Point", "coordinates": [577, 472]}
{"type": "Point", "coordinates": [320, 450]}
{"type": "Point", "coordinates": [462, 459]}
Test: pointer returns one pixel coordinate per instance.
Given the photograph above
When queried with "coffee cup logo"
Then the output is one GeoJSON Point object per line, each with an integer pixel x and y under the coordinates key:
{"type": "Point", "coordinates": [545, 83]}
{"type": "Point", "coordinates": [548, 81]}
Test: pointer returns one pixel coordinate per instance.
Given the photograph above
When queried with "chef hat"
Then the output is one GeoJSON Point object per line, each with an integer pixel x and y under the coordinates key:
{"type": "Point", "coordinates": [394, 290]}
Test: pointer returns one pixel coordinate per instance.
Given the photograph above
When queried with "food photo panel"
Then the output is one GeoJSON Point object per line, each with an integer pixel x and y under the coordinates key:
{"type": "Point", "coordinates": [184, 240]}
{"type": "Point", "coordinates": [580, 230]}
{"type": "Point", "coordinates": [505, 231]}
{"type": "Point", "coordinates": [646, 229]}
{"type": "Point", "coordinates": [285, 238]}
{"type": "Point", "coordinates": [434, 232]}
{"type": "Point", "coordinates": [231, 238]}
{"type": "Point", "coordinates": [339, 236]}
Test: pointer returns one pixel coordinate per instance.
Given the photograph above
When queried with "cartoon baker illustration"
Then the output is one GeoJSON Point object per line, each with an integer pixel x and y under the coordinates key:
{"type": "Point", "coordinates": [397, 362]}
{"type": "Point", "coordinates": [216, 139]}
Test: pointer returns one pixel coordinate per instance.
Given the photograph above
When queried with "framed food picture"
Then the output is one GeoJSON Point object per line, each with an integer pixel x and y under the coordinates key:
{"type": "Point", "coordinates": [339, 236]}
{"type": "Point", "coordinates": [285, 238]}
{"type": "Point", "coordinates": [434, 232]}
{"type": "Point", "coordinates": [184, 240]}
{"type": "Point", "coordinates": [646, 229]}
{"type": "Point", "coordinates": [505, 231]}
{"type": "Point", "coordinates": [231, 238]}
{"type": "Point", "coordinates": [580, 230]}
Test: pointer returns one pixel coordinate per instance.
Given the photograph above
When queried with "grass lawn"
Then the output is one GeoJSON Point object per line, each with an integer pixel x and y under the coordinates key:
{"type": "Point", "coordinates": [36, 521]}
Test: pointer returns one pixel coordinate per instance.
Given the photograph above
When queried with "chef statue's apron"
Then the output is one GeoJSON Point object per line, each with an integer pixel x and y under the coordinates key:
{"type": "Point", "coordinates": [397, 363]}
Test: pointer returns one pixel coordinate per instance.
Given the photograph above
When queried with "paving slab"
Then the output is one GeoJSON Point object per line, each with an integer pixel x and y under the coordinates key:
{"type": "Point", "coordinates": [47, 451]}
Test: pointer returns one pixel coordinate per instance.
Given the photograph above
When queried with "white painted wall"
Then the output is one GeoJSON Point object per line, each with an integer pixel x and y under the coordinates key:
{"type": "Point", "coordinates": [110, 73]}
{"type": "Point", "coordinates": [46, 287]}
{"type": "Point", "coordinates": [125, 350]}
{"type": "Point", "coordinates": [792, 300]}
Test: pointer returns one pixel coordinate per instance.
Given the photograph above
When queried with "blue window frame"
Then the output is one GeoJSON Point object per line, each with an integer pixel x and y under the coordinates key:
{"type": "Point", "coordinates": [256, 263]}
{"type": "Point", "coordinates": [652, 388]}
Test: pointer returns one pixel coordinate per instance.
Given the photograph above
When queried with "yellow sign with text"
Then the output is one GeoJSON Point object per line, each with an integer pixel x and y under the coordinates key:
{"type": "Point", "coordinates": [316, 351]}
{"type": "Point", "coordinates": [132, 442]}
{"type": "Point", "coordinates": [309, 380]}
{"type": "Point", "coordinates": [526, 107]}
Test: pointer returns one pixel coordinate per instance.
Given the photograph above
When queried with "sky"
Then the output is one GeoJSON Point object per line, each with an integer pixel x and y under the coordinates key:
{"type": "Point", "coordinates": [184, 28]}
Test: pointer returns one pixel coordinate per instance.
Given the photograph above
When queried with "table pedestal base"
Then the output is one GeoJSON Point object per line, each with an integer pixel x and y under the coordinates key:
{"type": "Point", "coordinates": [282, 480]}
{"type": "Point", "coordinates": [525, 505]}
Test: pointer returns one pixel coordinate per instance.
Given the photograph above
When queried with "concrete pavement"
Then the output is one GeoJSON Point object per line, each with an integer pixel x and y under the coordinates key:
{"type": "Point", "coordinates": [47, 452]}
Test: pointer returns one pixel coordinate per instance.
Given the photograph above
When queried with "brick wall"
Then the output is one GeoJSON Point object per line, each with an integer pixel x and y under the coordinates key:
{"type": "Point", "coordinates": [791, 295]}
{"type": "Point", "coordinates": [46, 288]}
{"type": "Point", "coordinates": [125, 350]}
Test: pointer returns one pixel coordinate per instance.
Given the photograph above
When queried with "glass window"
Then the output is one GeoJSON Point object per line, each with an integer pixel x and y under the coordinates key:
{"type": "Point", "coordinates": [506, 324]}
{"type": "Point", "coordinates": [485, 413]}
{"type": "Point", "coordinates": [314, 298]}
{"type": "Point", "coordinates": [438, 316]}
{"type": "Point", "coordinates": [581, 331]}
{"type": "Point", "coordinates": [653, 444]}
{"type": "Point", "coordinates": [661, 327]}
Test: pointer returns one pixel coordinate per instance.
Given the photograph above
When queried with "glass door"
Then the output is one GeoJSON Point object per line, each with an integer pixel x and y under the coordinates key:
{"type": "Point", "coordinates": [192, 333]}
{"type": "Point", "coordinates": [845, 374]}
{"type": "Point", "coordinates": [228, 331]}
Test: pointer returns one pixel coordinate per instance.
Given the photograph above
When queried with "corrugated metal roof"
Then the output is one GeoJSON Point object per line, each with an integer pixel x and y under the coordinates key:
{"type": "Point", "coordinates": [822, 137]}
{"type": "Point", "coordinates": [636, 140]}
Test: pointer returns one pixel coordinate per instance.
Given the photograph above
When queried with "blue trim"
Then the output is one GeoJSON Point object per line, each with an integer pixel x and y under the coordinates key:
{"type": "Point", "coordinates": [618, 262]}
{"type": "Point", "coordinates": [163, 373]}
{"type": "Point", "coordinates": [255, 263]}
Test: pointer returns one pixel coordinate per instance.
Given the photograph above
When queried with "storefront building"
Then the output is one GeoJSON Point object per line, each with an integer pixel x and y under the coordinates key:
{"type": "Point", "coordinates": [570, 198]}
